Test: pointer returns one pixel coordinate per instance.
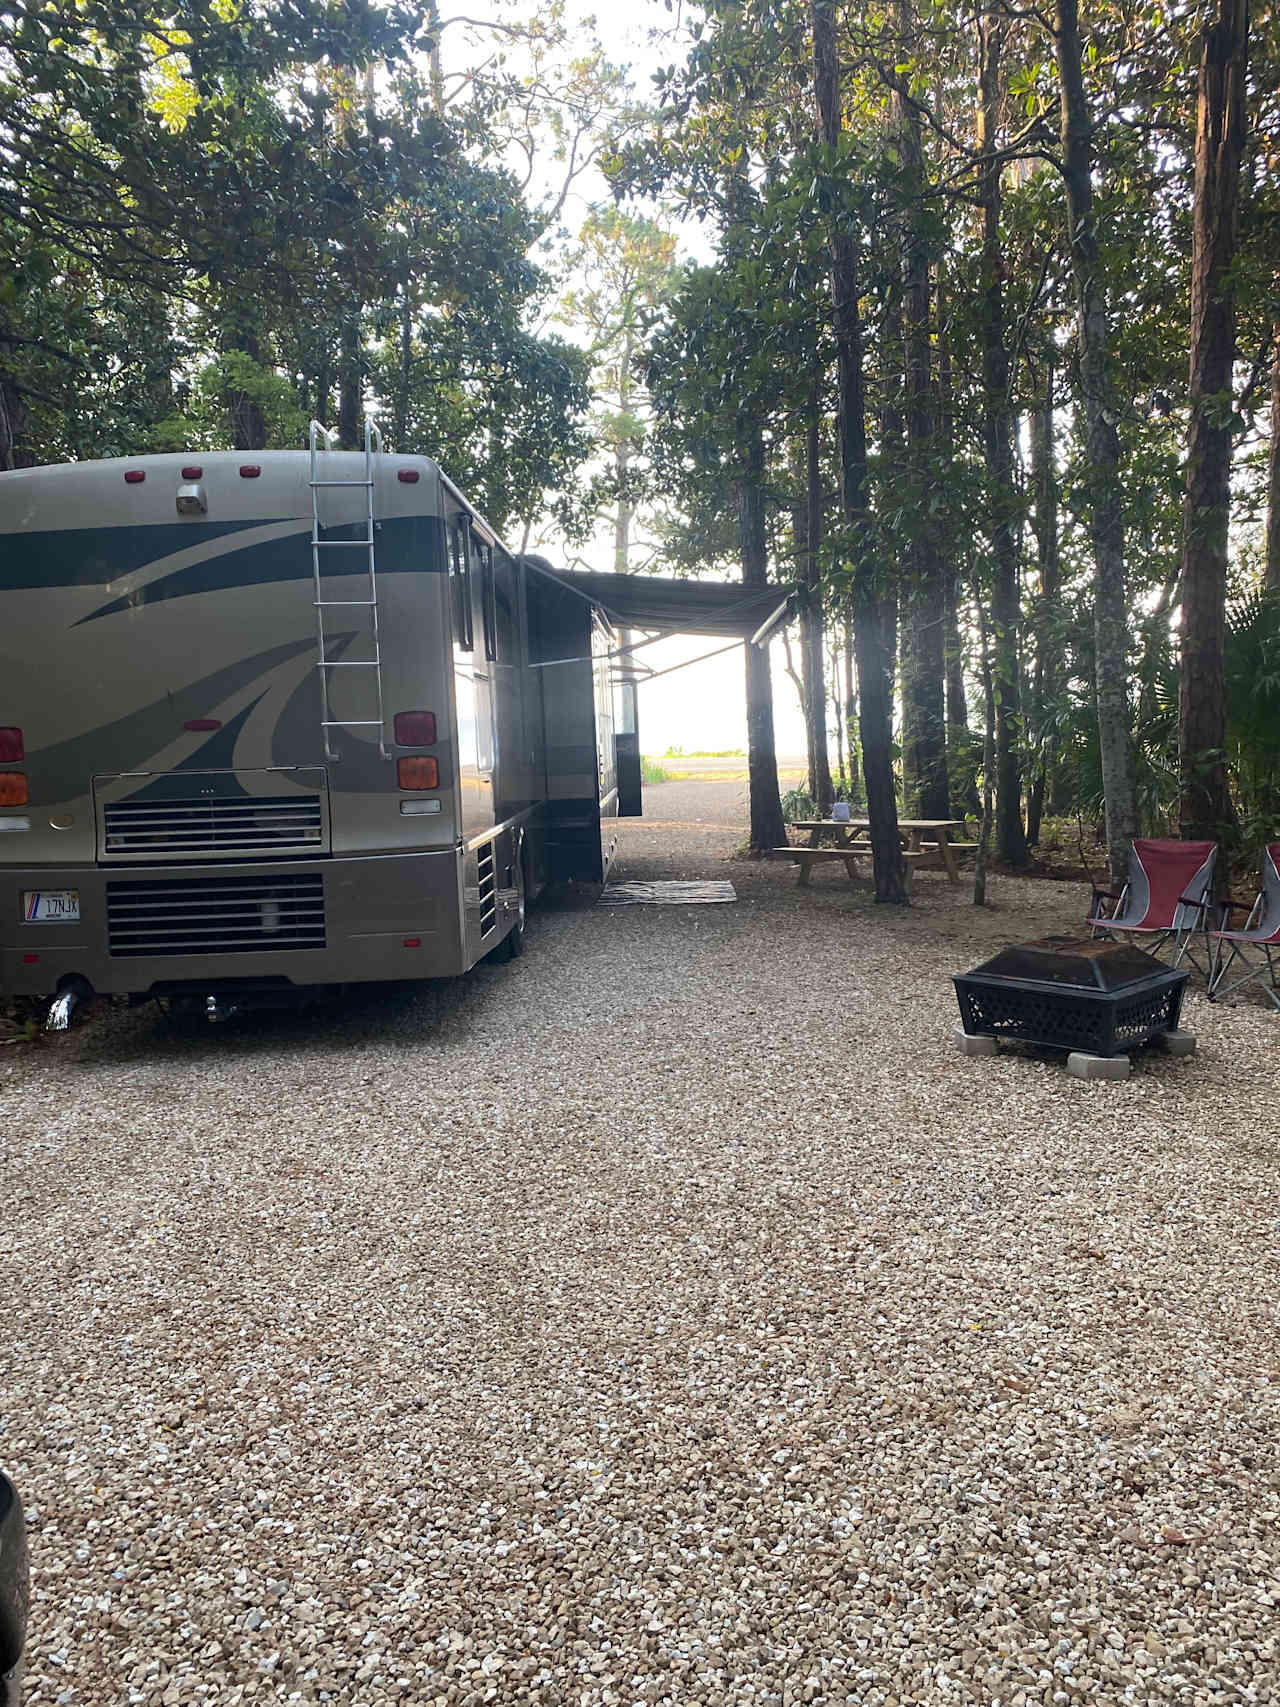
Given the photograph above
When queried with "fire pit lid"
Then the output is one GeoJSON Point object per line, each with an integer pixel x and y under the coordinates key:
{"type": "Point", "coordinates": [1079, 962]}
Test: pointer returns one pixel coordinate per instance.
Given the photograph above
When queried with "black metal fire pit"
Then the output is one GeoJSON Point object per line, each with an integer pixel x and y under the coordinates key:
{"type": "Point", "coordinates": [1075, 993]}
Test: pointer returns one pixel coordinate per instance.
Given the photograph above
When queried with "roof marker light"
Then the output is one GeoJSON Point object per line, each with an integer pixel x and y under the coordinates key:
{"type": "Point", "coordinates": [134, 476]}
{"type": "Point", "coordinates": [249, 471]}
{"type": "Point", "coordinates": [202, 725]}
{"type": "Point", "coordinates": [193, 471]}
{"type": "Point", "coordinates": [407, 476]}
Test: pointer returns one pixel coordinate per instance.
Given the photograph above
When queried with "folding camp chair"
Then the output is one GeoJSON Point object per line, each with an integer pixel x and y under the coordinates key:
{"type": "Point", "coordinates": [1168, 898]}
{"type": "Point", "coordinates": [1261, 931]}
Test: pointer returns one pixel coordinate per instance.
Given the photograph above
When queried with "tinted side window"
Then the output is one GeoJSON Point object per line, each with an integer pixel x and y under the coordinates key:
{"type": "Point", "coordinates": [460, 584]}
{"type": "Point", "coordinates": [504, 600]}
{"type": "Point", "coordinates": [487, 612]}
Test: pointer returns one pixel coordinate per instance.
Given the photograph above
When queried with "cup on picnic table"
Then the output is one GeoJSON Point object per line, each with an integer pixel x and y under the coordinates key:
{"type": "Point", "coordinates": [840, 812]}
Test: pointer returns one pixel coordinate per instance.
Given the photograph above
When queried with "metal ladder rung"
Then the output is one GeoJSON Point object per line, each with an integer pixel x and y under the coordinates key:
{"type": "Point", "coordinates": [366, 544]}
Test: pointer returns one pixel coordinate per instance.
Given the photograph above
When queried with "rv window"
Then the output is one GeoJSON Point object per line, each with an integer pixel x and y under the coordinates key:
{"type": "Point", "coordinates": [460, 586]}
{"type": "Point", "coordinates": [487, 611]}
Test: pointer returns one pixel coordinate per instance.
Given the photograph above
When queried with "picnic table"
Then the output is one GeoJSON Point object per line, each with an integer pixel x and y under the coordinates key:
{"type": "Point", "coordinates": [849, 832]}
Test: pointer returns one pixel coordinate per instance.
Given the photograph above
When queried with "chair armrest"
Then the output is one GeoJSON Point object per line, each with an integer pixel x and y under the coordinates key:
{"type": "Point", "coordinates": [1230, 906]}
{"type": "Point", "coordinates": [1190, 901]}
{"type": "Point", "coordinates": [1107, 895]}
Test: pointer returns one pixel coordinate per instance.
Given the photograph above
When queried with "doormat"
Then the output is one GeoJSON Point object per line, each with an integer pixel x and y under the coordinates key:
{"type": "Point", "coordinates": [674, 892]}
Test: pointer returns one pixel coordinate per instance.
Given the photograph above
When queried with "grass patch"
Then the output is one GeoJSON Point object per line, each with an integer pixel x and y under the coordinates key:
{"type": "Point", "coordinates": [652, 771]}
{"type": "Point", "coordinates": [704, 753]}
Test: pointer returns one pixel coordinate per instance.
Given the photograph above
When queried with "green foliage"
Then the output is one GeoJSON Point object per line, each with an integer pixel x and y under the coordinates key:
{"type": "Point", "coordinates": [651, 771]}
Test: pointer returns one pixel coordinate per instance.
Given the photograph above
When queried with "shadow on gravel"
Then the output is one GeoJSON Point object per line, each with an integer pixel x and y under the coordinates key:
{"type": "Point", "coordinates": [410, 1013]}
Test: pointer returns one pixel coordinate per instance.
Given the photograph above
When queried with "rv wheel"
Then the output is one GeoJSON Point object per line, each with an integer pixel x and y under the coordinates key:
{"type": "Point", "coordinates": [512, 945]}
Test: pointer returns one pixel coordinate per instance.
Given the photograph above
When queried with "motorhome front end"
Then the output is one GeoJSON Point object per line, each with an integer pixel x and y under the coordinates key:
{"type": "Point", "coordinates": [267, 720]}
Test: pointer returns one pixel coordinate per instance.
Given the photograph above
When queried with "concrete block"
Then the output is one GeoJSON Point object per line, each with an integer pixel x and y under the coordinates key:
{"type": "Point", "coordinates": [1082, 1066]}
{"type": "Point", "coordinates": [968, 1045]}
{"type": "Point", "coordinates": [1177, 1042]}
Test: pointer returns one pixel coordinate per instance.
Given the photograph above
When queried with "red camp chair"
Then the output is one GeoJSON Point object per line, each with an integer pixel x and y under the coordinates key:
{"type": "Point", "coordinates": [1261, 931]}
{"type": "Point", "coordinates": [1168, 898]}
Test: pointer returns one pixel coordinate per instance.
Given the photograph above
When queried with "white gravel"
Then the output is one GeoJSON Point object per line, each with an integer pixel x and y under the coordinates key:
{"type": "Point", "coordinates": [670, 1317]}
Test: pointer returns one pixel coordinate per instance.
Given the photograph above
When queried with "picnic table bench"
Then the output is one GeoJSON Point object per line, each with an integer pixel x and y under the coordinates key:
{"type": "Point", "coordinates": [938, 852]}
{"type": "Point", "coordinates": [807, 858]}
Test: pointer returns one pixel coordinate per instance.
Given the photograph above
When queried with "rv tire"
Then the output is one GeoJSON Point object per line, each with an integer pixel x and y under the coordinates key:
{"type": "Point", "coordinates": [512, 945]}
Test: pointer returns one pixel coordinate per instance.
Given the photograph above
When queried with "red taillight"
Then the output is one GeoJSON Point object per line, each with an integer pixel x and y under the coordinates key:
{"type": "Point", "coordinates": [11, 747]}
{"type": "Point", "coordinates": [418, 773]}
{"type": "Point", "coordinates": [134, 476]}
{"type": "Point", "coordinates": [193, 471]}
{"type": "Point", "coordinates": [413, 942]}
{"type": "Point", "coordinates": [249, 471]}
{"type": "Point", "coordinates": [13, 784]}
{"type": "Point", "coordinates": [407, 476]}
{"type": "Point", "coordinates": [414, 729]}
{"type": "Point", "coordinates": [202, 725]}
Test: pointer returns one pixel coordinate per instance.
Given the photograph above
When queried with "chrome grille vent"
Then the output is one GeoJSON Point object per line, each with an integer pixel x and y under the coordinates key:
{"type": "Point", "coordinates": [487, 879]}
{"type": "Point", "coordinates": [243, 828]}
{"type": "Point", "coordinates": [215, 915]}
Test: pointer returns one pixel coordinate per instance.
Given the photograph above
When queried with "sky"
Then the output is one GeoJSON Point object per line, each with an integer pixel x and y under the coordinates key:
{"type": "Point", "coordinates": [702, 707]}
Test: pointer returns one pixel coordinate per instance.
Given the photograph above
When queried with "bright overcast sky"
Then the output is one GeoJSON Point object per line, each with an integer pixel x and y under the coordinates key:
{"type": "Point", "coordinates": [701, 707]}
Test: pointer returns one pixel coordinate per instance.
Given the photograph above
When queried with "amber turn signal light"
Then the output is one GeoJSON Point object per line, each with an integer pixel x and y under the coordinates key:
{"type": "Point", "coordinates": [13, 787]}
{"type": "Point", "coordinates": [418, 773]}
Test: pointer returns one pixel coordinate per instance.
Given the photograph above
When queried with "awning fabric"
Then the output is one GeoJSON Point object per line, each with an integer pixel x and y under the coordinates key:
{"type": "Point", "coordinates": [725, 609]}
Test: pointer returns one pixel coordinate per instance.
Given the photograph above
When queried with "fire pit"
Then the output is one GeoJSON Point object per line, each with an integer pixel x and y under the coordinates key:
{"type": "Point", "coordinates": [1088, 996]}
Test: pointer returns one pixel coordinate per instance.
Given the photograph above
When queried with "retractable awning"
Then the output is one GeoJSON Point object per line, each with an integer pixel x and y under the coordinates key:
{"type": "Point", "coordinates": [660, 604]}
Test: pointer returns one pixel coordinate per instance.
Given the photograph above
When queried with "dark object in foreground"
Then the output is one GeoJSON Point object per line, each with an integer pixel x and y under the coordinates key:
{"type": "Point", "coordinates": [13, 1593]}
{"type": "Point", "coordinates": [1073, 993]}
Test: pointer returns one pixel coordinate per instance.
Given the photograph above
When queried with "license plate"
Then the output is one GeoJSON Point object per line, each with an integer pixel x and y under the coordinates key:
{"type": "Point", "coordinates": [51, 906]}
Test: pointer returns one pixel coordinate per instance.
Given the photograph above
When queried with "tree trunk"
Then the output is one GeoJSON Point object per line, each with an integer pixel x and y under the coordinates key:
{"type": "Point", "coordinates": [837, 707]}
{"type": "Point", "coordinates": [246, 424]}
{"type": "Point", "coordinates": [925, 604]}
{"type": "Point", "coordinates": [812, 643]}
{"type": "Point", "coordinates": [988, 757]}
{"type": "Point", "coordinates": [622, 463]}
{"type": "Point", "coordinates": [874, 665]}
{"type": "Point", "coordinates": [1271, 573]}
{"type": "Point", "coordinates": [1102, 492]}
{"type": "Point", "coordinates": [350, 380]}
{"type": "Point", "coordinates": [997, 429]}
{"type": "Point", "coordinates": [405, 376]}
{"type": "Point", "coordinates": [13, 419]}
{"type": "Point", "coordinates": [767, 828]}
{"type": "Point", "coordinates": [1047, 683]}
{"type": "Point", "coordinates": [850, 709]}
{"type": "Point", "coordinates": [1205, 811]}
{"type": "Point", "coordinates": [962, 790]}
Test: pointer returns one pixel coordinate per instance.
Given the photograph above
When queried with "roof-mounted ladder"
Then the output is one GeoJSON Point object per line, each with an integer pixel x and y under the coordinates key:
{"type": "Point", "coordinates": [321, 441]}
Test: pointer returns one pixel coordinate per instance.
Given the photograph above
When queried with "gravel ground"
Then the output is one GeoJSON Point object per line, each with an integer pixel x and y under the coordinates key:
{"type": "Point", "coordinates": [670, 1317]}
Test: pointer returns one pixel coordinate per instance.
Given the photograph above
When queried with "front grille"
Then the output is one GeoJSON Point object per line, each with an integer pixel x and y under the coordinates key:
{"type": "Point", "coordinates": [201, 829]}
{"type": "Point", "coordinates": [215, 915]}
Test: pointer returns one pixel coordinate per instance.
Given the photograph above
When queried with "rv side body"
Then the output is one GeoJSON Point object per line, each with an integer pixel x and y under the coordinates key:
{"type": "Point", "coordinates": [163, 668]}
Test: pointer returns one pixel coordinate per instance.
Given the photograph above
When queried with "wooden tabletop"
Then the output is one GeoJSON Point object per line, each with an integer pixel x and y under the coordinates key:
{"type": "Point", "coordinates": [865, 823]}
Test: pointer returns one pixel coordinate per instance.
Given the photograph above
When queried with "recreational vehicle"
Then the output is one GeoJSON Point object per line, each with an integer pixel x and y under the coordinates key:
{"type": "Point", "coordinates": [283, 719]}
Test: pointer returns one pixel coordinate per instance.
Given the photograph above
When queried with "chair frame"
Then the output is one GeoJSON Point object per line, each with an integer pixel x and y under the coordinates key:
{"type": "Point", "coordinates": [1182, 931]}
{"type": "Point", "coordinates": [1236, 942]}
